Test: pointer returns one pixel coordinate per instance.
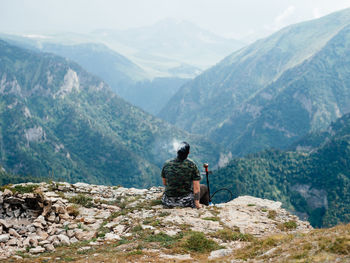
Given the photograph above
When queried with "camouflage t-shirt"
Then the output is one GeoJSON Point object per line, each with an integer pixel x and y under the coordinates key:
{"type": "Point", "coordinates": [179, 176]}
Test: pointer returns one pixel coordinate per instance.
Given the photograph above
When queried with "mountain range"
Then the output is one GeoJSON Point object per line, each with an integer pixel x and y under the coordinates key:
{"type": "Point", "coordinates": [61, 122]}
{"type": "Point", "coordinates": [170, 45]}
{"type": "Point", "coordinates": [272, 92]}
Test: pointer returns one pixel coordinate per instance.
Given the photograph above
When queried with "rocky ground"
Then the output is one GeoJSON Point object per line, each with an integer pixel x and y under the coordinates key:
{"type": "Point", "coordinates": [53, 217]}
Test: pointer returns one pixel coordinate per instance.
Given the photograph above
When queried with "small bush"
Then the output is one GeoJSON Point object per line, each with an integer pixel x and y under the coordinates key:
{"type": "Point", "coordinates": [82, 200]}
{"type": "Point", "coordinates": [198, 242]}
{"type": "Point", "coordinates": [272, 214]}
{"type": "Point", "coordinates": [290, 225]}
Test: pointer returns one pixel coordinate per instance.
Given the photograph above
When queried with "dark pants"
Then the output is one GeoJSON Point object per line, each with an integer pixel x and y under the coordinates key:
{"type": "Point", "coordinates": [204, 195]}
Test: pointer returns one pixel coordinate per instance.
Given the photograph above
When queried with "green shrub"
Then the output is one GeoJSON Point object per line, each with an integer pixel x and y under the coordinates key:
{"type": "Point", "coordinates": [290, 225]}
{"type": "Point", "coordinates": [272, 214]}
{"type": "Point", "coordinates": [82, 200]}
{"type": "Point", "coordinates": [198, 242]}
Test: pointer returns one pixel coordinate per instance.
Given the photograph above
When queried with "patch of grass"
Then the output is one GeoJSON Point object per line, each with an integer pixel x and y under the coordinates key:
{"type": "Point", "coordinates": [212, 218]}
{"type": "Point", "coordinates": [135, 252]}
{"type": "Point", "coordinates": [156, 223]}
{"type": "Point", "coordinates": [251, 204]}
{"type": "Point", "coordinates": [156, 202]}
{"type": "Point", "coordinates": [164, 214]}
{"type": "Point", "coordinates": [257, 247]}
{"type": "Point", "coordinates": [300, 255]}
{"type": "Point", "coordinates": [68, 259]}
{"type": "Point", "coordinates": [137, 228]}
{"type": "Point", "coordinates": [22, 254]}
{"type": "Point", "coordinates": [20, 189]}
{"type": "Point", "coordinates": [340, 246]}
{"type": "Point", "coordinates": [82, 200]}
{"type": "Point", "coordinates": [102, 231]}
{"type": "Point", "coordinates": [122, 242]}
{"type": "Point", "coordinates": [164, 239]}
{"type": "Point", "coordinates": [62, 195]}
{"type": "Point", "coordinates": [264, 210]}
{"type": "Point", "coordinates": [287, 225]}
{"type": "Point", "coordinates": [227, 234]}
{"type": "Point", "coordinates": [197, 241]}
{"type": "Point", "coordinates": [272, 214]}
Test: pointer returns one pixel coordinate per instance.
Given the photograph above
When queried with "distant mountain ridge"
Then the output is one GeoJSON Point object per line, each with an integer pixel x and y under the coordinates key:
{"type": "Point", "coordinates": [174, 42]}
{"type": "Point", "coordinates": [246, 101]}
{"type": "Point", "coordinates": [58, 121]}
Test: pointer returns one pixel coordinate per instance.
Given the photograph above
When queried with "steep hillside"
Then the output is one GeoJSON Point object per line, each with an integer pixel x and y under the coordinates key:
{"type": "Point", "coordinates": [305, 98]}
{"type": "Point", "coordinates": [59, 121]}
{"type": "Point", "coordinates": [253, 93]}
{"type": "Point", "coordinates": [313, 184]}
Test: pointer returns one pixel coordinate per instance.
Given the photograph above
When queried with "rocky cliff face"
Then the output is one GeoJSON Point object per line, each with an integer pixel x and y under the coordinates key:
{"type": "Point", "coordinates": [36, 218]}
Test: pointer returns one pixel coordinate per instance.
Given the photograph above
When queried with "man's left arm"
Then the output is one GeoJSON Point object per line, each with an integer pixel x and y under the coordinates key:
{"type": "Point", "coordinates": [196, 193]}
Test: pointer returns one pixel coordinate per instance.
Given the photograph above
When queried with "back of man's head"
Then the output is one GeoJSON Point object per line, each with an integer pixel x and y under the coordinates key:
{"type": "Point", "coordinates": [183, 151]}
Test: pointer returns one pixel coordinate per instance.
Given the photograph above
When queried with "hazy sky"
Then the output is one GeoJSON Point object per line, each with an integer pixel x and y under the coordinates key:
{"type": "Point", "coordinates": [230, 18]}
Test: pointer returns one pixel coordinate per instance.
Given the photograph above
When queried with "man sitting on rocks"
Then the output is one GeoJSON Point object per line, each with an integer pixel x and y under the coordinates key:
{"type": "Point", "coordinates": [181, 179]}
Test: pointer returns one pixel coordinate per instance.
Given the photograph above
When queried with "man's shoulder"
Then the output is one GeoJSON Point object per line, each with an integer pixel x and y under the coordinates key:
{"type": "Point", "coordinates": [190, 162]}
{"type": "Point", "coordinates": [169, 162]}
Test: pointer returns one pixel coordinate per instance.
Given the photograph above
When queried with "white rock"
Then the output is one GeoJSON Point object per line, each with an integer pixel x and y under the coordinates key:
{"type": "Point", "coordinates": [219, 253]}
{"type": "Point", "coordinates": [64, 239]}
{"type": "Point", "coordinates": [73, 240]}
{"type": "Point", "coordinates": [4, 238]}
{"type": "Point", "coordinates": [112, 237]}
{"type": "Point", "coordinates": [119, 229]}
{"type": "Point", "coordinates": [37, 250]}
{"type": "Point", "coordinates": [176, 257]}
{"type": "Point", "coordinates": [84, 248]}
{"type": "Point", "coordinates": [49, 247]}
{"type": "Point", "coordinates": [14, 233]}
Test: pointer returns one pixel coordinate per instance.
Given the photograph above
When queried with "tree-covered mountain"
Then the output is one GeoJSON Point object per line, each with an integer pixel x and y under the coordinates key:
{"type": "Point", "coordinates": [272, 92]}
{"type": "Point", "coordinates": [59, 121]}
{"type": "Point", "coordinates": [126, 79]}
{"type": "Point", "coordinates": [315, 184]}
